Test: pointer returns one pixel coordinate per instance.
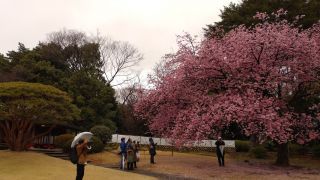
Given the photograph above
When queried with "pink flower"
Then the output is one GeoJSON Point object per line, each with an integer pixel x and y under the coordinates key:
{"type": "Point", "coordinates": [244, 78]}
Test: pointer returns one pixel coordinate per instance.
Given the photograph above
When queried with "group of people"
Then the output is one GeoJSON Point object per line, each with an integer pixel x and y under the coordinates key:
{"type": "Point", "coordinates": [129, 152]}
{"type": "Point", "coordinates": [130, 155]}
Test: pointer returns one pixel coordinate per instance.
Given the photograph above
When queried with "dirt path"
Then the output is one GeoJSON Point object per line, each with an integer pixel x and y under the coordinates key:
{"type": "Point", "coordinates": [192, 166]}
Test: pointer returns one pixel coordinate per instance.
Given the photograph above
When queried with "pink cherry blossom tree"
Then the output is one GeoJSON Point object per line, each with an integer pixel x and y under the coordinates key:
{"type": "Point", "coordinates": [247, 77]}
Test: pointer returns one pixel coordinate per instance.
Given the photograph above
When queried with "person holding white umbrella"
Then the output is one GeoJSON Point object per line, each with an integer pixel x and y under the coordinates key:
{"type": "Point", "coordinates": [80, 142]}
{"type": "Point", "coordinates": [81, 148]}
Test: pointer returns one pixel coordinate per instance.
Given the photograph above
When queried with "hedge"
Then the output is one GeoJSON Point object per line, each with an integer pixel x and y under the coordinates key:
{"type": "Point", "coordinates": [242, 146]}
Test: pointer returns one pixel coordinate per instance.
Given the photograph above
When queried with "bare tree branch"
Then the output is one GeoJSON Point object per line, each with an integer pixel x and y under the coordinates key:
{"type": "Point", "coordinates": [119, 58]}
{"type": "Point", "coordinates": [128, 95]}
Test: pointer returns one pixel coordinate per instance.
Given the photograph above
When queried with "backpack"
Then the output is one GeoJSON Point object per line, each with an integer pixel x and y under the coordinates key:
{"type": "Point", "coordinates": [74, 155]}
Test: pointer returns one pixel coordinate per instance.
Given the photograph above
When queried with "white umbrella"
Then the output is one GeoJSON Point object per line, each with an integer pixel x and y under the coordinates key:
{"type": "Point", "coordinates": [83, 135]}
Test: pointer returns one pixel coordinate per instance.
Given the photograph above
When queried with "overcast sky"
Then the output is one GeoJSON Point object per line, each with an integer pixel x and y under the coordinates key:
{"type": "Point", "coordinates": [150, 25]}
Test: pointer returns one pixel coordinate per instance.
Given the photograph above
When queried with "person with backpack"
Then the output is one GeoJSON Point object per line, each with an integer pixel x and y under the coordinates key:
{"type": "Point", "coordinates": [220, 151]}
{"type": "Point", "coordinates": [81, 150]}
{"type": "Point", "coordinates": [152, 150]}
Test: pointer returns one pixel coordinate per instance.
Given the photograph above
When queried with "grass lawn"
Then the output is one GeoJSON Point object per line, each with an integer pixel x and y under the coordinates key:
{"type": "Point", "coordinates": [205, 166]}
{"type": "Point", "coordinates": [298, 161]}
{"type": "Point", "coordinates": [35, 166]}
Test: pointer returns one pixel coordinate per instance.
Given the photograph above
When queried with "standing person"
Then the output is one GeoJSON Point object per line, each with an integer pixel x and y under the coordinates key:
{"type": "Point", "coordinates": [138, 151]}
{"type": "Point", "coordinates": [134, 145]}
{"type": "Point", "coordinates": [82, 158]}
{"type": "Point", "coordinates": [220, 151]}
{"type": "Point", "coordinates": [152, 150]}
{"type": "Point", "coordinates": [130, 155]}
{"type": "Point", "coordinates": [123, 153]}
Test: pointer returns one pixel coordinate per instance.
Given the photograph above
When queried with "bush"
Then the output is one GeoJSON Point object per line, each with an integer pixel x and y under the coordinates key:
{"type": "Point", "coordinates": [96, 144]}
{"type": "Point", "coordinates": [102, 132]}
{"type": "Point", "coordinates": [67, 146]}
{"type": "Point", "coordinates": [110, 124]}
{"type": "Point", "coordinates": [259, 152]}
{"type": "Point", "coordinates": [242, 146]}
{"type": "Point", "coordinates": [270, 146]}
{"type": "Point", "coordinates": [316, 151]}
{"type": "Point", "coordinates": [60, 140]}
{"type": "Point", "coordinates": [297, 149]}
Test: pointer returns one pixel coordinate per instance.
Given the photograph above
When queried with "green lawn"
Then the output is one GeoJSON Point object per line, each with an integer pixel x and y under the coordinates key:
{"type": "Point", "coordinates": [35, 166]}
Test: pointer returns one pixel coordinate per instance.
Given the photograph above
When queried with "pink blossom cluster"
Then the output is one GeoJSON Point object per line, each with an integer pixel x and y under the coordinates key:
{"type": "Point", "coordinates": [261, 16]}
{"type": "Point", "coordinates": [246, 77]}
{"type": "Point", "coordinates": [280, 12]}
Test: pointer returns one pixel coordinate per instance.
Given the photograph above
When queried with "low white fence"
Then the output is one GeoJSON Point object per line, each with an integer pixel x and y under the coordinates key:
{"type": "Point", "coordinates": [116, 138]}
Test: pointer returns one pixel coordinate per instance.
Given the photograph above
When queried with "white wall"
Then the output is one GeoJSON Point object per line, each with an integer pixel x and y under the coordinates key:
{"type": "Point", "coordinates": [116, 138]}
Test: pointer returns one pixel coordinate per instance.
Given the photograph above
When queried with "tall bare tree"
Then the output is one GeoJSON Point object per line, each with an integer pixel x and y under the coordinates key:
{"type": "Point", "coordinates": [119, 59]}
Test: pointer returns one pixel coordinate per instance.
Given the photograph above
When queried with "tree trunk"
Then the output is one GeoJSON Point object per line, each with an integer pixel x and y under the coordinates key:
{"type": "Point", "coordinates": [283, 155]}
{"type": "Point", "coordinates": [19, 133]}
{"type": "Point", "coordinates": [16, 133]}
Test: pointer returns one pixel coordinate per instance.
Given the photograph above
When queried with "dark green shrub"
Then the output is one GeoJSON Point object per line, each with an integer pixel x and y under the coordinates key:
{"type": "Point", "coordinates": [297, 149]}
{"type": "Point", "coordinates": [102, 132]}
{"type": "Point", "coordinates": [259, 152]}
{"type": "Point", "coordinates": [316, 151]}
{"type": "Point", "coordinates": [60, 140]}
{"type": "Point", "coordinates": [67, 146]}
{"type": "Point", "coordinates": [242, 146]}
{"type": "Point", "coordinates": [270, 146]}
{"type": "Point", "coordinates": [96, 144]}
{"type": "Point", "coordinates": [110, 124]}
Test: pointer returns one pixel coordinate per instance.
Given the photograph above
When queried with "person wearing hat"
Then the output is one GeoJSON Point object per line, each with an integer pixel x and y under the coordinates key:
{"type": "Point", "coordinates": [220, 151]}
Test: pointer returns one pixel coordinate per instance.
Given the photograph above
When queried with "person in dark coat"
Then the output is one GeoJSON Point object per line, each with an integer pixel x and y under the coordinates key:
{"type": "Point", "coordinates": [123, 152]}
{"type": "Point", "coordinates": [220, 152]}
{"type": "Point", "coordinates": [152, 150]}
{"type": "Point", "coordinates": [134, 145]}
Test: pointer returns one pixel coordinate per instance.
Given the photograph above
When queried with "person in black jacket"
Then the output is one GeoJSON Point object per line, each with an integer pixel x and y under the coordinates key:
{"type": "Point", "coordinates": [135, 151]}
{"type": "Point", "coordinates": [220, 151]}
{"type": "Point", "coordinates": [152, 150]}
